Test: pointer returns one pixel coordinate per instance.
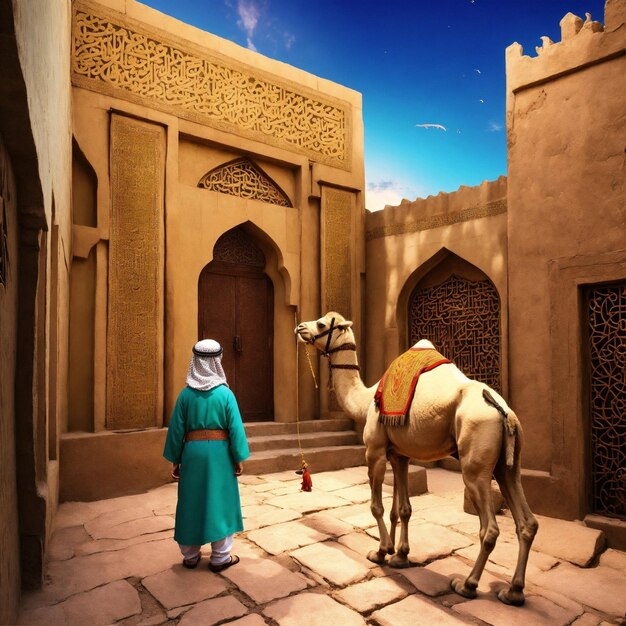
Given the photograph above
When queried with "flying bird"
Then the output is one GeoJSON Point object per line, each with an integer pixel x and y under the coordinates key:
{"type": "Point", "coordinates": [438, 126]}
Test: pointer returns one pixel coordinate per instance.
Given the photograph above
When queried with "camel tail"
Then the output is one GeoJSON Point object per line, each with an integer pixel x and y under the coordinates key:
{"type": "Point", "coordinates": [510, 428]}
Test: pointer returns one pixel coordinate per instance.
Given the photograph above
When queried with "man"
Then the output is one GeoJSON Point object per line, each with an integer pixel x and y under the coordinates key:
{"type": "Point", "coordinates": [207, 443]}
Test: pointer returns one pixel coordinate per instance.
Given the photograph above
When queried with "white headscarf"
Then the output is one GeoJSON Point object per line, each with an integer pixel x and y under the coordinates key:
{"type": "Point", "coordinates": [205, 367]}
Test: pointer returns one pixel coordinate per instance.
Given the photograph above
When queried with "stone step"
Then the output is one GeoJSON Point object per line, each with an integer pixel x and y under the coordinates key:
{"type": "Point", "coordinates": [261, 443]}
{"type": "Point", "coordinates": [306, 426]}
{"type": "Point", "coordinates": [320, 459]}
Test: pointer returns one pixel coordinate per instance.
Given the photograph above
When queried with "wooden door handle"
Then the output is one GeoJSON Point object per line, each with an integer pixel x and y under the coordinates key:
{"type": "Point", "coordinates": [237, 344]}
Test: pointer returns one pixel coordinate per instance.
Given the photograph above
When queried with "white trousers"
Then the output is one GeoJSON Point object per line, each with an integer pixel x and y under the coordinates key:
{"type": "Point", "coordinates": [220, 550]}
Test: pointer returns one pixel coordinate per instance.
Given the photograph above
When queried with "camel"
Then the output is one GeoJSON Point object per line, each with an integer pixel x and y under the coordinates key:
{"type": "Point", "coordinates": [449, 415]}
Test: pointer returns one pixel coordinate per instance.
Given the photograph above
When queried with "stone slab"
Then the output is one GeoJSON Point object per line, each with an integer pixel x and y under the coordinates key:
{"type": "Point", "coordinates": [259, 516]}
{"type": "Point", "coordinates": [213, 611]}
{"type": "Point", "coordinates": [312, 609]}
{"type": "Point", "coordinates": [179, 586]}
{"type": "Point", "coordinates": [359, 542]}
{"type": "Point", "coordinates": [266, 486]}
{"type": "Point", "coordinates": [537, 611]}
{"type": "Point", "coordinates": [435, 578]}
{"type": "Point", "coordinates": [448, 514]}
{"type": "Point", "coordinates": [429, 541]}
{"type": "Point", "coordinates": [355, 494]}
{"type": "Point", "coordinates": [104, 605]}
{"type": "Point", "coordinates": [374, 593]}
{"type": "Point", "coordinates": [615, 559]}
{"type": "Point", "coordinates": [64, 542]}
{"type": "Point", "coordinates": [600, 588]}
{"type": "Point", "coordinates": [282, 537]}
{"type": "Point", "coordinates": [334, 562]}
{"type": "Point", "coordinates": [587, 619]}
{"type": "Point", "coordinates": [83, 573]}
{"type": "Point", "coordinates": [325, 523]}
{"type": "Point", "coordinates": [113, 518]}
{"type": "Point", "coordinates": [106, 545]}
{"type": "Point", "coordinates": [414, 610]}
{"type": "Point", "coordinates": [504, 555]}
{"type": "Point", "coordinates": [308, 502]}
{"type": "Point", "coordinates": [253, 619]}
{"type": "Point", "coordinates": [253, 577]}
{"type": "Point", "coordinates": [569, 541]}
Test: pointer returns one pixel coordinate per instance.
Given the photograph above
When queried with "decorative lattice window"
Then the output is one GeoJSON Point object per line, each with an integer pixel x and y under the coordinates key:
{"type": "Point", "coordinates": [236, 246]}
{"type": "Point", "coordinates": [244, 179]}
{"type": "Point", "coordinates": [607, 360]}
{"type": "Point", "coordinates": [462, 319]}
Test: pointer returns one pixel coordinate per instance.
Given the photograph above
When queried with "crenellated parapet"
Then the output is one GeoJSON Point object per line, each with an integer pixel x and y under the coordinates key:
{"type": "Point", "coordinates": [583, 43]}
{"type": "Point", "coordinates": [445, 209]}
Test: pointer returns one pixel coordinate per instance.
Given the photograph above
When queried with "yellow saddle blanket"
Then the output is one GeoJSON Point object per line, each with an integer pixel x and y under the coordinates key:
{"type": "Point", "coordinates": [397, 386]}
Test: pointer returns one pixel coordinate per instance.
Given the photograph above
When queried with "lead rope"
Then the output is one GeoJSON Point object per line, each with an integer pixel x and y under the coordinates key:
{"type": "Point", "coordinates": [304, 471]}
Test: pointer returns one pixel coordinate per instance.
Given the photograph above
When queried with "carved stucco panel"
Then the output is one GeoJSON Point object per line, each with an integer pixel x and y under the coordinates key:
{"type": "Point", "coordinates": [119, 56]}
{"type": "Point", "coordinates": [135, 317]}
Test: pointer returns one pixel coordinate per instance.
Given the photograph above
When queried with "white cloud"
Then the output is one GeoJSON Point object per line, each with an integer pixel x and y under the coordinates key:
{"type": "Point", "coordinates": [376, 197]}
{"type": "Point", "coordinates": [289, 40]}
{"type": "Point", "coordinates": [495, 127]}
{"type": "Point", "coordinates": [249, 13]}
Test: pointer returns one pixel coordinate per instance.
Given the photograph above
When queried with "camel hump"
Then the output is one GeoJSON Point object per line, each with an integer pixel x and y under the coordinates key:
{"type": "Point", "coordinates": [424, 343]}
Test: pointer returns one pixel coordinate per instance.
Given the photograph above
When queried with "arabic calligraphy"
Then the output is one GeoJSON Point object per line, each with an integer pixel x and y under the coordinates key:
{"type": "Point", "coordinates": [123, 60]}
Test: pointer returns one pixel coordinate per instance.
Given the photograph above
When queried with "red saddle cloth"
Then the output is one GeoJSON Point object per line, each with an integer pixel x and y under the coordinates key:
{"type": "Point", "coordinates": [397, 386]}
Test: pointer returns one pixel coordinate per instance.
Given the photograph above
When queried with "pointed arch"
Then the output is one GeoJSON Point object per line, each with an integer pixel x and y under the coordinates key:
{"type": "Point", "coordinates": [455, 305]}
{"type": "Point", "coordinates": [242, 177]}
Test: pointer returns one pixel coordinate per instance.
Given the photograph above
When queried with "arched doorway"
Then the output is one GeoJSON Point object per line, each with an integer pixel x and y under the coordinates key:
{"type": "Point", "coordinates": [457, 307]}
{"type": "Point", "coordinates": [236, 307]}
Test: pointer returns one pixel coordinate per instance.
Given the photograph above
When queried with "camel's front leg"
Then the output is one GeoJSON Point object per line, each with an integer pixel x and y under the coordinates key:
{"type": "Point", "coordinates": [400, 465]}
{"type": "Point", "coordinates": [376, 459]}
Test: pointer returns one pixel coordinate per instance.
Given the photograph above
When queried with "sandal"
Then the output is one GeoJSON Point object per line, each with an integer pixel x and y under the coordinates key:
{"type": "Point", "coordinates": [220, 568]}
{"type": "Point", "coordinates": [192, 563]}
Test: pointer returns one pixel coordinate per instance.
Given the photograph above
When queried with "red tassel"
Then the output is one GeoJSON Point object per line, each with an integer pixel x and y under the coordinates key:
{"type": "Point", "coordinates": [307, 483]}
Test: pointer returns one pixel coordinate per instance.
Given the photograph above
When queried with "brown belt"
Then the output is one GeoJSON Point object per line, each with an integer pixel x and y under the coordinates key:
{"type": "Point", "coordinates": [207, 434]}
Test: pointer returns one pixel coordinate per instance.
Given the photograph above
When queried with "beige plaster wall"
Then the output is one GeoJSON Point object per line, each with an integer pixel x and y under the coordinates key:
{"type": "Point", "coordinates": [406, 241]}
{"type": "Point", "coordinates": [566, 132]}
{"type": "Point", "coordinates": [42, 32]}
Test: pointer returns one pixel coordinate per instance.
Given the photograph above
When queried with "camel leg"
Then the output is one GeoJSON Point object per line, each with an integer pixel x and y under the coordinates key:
{"type": "Point", "coordinates": [526, 526]}
{"type": "Point", "coordinates": [479, 488]}
{"type": "Point", "coordinates": [376, 458]}
{"type": "Point", "coordinates": [394, 514]}
{"type": "Point", "coordinates": [400, 465]}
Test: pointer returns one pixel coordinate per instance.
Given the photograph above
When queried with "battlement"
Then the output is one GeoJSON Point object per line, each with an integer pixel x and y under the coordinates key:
{"type": "Point", "coordinates": [445, 209]}
{"type": "Point", "coordinates": [583, 43]}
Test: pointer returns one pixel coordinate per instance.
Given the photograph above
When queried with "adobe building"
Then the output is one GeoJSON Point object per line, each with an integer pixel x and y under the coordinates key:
{"type": "Point", "coordinates": [160, 184]}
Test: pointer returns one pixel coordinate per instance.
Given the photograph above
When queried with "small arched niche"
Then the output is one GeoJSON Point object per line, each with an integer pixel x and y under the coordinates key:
{"type": "Point", "coordinates": [455, 305]}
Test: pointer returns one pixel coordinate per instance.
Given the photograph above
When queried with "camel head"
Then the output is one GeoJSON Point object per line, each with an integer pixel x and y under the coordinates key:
{"type": "Point", "coordinates": [326, 333]}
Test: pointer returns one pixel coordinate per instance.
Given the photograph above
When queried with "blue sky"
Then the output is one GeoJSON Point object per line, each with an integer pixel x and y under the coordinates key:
{"type": "Point", "coordinates": [415, 62]}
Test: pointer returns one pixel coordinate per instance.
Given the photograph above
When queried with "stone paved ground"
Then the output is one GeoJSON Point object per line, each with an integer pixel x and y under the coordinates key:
{"type": "Point", "coordinates": [303, 564]}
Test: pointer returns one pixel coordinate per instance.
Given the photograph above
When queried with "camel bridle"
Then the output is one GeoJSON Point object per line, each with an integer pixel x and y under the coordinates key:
{"type": "Point", "coordinates": [327, 351]}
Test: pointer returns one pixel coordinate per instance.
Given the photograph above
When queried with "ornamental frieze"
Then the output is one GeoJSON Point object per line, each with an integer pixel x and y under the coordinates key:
{"type": "Point", "coordinates": [124, 58]}
{"type": "Point", "coordinates": [496, 207]}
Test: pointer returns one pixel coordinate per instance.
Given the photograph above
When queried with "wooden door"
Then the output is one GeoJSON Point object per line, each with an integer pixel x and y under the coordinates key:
{"type": "Point", "coordinates": [236, 308]}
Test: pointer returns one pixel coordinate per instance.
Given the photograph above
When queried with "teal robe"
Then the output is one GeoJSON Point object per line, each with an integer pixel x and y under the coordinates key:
{"type": "Point", "coordinates": [208, 506]}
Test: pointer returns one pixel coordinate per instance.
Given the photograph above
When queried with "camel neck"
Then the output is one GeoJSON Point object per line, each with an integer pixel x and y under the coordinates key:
{"type": "Point", "coordinates": [353, 396]}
